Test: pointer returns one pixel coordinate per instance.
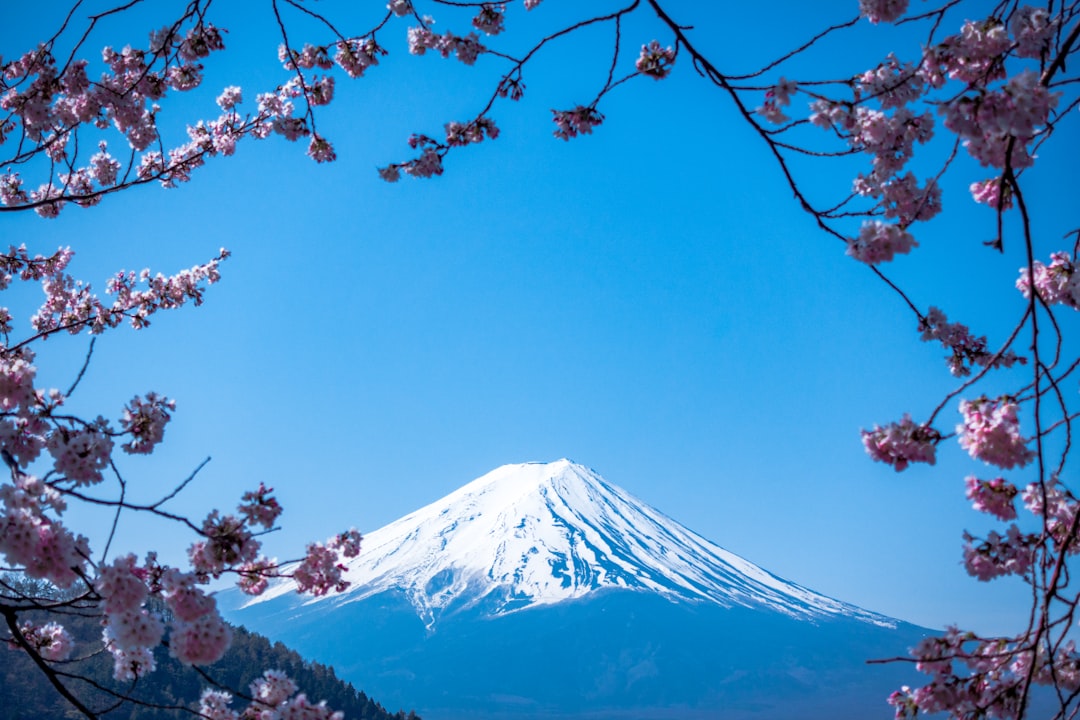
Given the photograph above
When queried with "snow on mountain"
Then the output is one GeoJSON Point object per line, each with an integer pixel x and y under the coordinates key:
{"type": "Point", "coordinates": [537, 534]}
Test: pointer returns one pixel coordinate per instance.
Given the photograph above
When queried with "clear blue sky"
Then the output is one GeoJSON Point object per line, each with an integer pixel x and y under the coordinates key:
{"type": "Point", "coordinates": [648, 301]}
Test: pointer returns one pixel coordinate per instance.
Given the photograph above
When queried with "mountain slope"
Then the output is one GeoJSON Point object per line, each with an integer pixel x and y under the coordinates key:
{"type": "Point", "coordinates": [543, 591]}
{"type": "Point", "coordinates": [537, 534]}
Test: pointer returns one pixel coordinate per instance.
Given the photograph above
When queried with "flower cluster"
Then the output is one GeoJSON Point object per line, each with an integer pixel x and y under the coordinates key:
{"type": "Point", "coordinates": [879, 242]}
{"type": "Point", "coordinates": [974, 56]}
{"type": "Point", "coordinates": [320, 150]}
{"type": "Point", "coordinates": [579, 121]}
{"type": "Point", "coordinates": [33, 541]}
{"type": "Point", "coordinates": [1032, 28]}
{"type": "Point", "coordinates": [458, 134]}
{"type": "Point", "coordinates": [429, 163]}
{"type": "Point", "coordinates": [990, 432]}
{"type": "Point", "coordinates": [17, 380]}
{"type": "Point", "coordinates": [1058, 507]}
{"type": "Point", "coordinates": [900, 444]}
{"type": "Point", "coordinates": [992, 496]}
{"type": "Point", "coordinates": [877, 11]}
{"type": "Point", "coordinates": [467, 48]}
{"type": "Point", "coordinates": [70, 305]}
{"type": "Point", "coordinates": [655, 61]}
{"type": "Point", "coordinates": [1003, 121]}
{"type": "Point", "coordinates": [982, 677]}
{"type": "Point", "coordinates": [776, 99]}
{"type": "Point", "coordinates": [1057, 282]}
{"type": "Point", "coordinates": [51, 104]}
{"type": "Point", "coordinates": [308, 57]}
{"type": "Point", "coordinates": [51, 641]}
{"type": "Point", "coordinates": [490, 19]}
{"type": "Point", "coordinates": [320, 572]}
{"type": "Point", "coordinates": [273, 697]}
{"type": "Point", "coordinates": [992, 192]}
{"type": "Point", "coordinates": [145, 421]}
{"type": "Point", "coordinates": [356, 55]}
{"type": "Point", "coordinates": [889, 138]}
{"type": "Point", "coordinates": [259, 508]}
{"type": "Point", "coordinates": [511, 86]}
{"type": "Point", "coordinates": [968, 672]}
{"type": "Point", "coordinates": [1009, 554]}
{"type": "Point", "coordinates": [227, 543]}
{"type": "Point", "coordinates": [197, 633]}
{"type": "Point", "coordinates": [901, 197]}
{"type": "Point", "coordinates": [892, 83]}
{"type": "Point", "coordinates": [967, 350]}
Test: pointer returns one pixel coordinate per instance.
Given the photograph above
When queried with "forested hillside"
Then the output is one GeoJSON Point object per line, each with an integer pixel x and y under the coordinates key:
{"type": "Point", "coordinates": [168, 692]}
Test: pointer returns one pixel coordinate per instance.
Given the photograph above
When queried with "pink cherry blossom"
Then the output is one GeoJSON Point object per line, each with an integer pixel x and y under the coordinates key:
{"type": "Point", "coordinates": [201, 641]}
{"type": "Point", "coordinates": [879, 242]}
{"type": "Point", "coordinates": [892, 83]}
{"type": "Point", "coordinates": [227, 543]}
{"type": "Point", "coordinates": [458, 134]}
{"type": "Point", "coordinates": [104, 167]}
{"type": "Point", "coordinates": [320, 150]}
{"type": "Point", "coordinates": [390, 173]}
{"type": "Point", "coordinates": [272, 689]}
{"type": "Point", "coordinates": [1033, 29]}
{"type": "Point", "coordinates": [901, 197]}
{"type": "Point", "coordinates": [990, 432]}
{"type": "Point", "coordinates": [467, 48]}
{"type": "Point", "coordinates": [145, 421]}
{"type": "Point", "coordinates": [348, 543]}
{"type": "Point", "coordinates": [45, 548]}
{"type": "Point", "coordinates": [254, 576]}
{"type": "Point", "coordinates": [579, 121]}
{"type": "Point", "coordinates": [122, 585]}
{"type": "Point", "coordinates": [129, 665]}
{"type": "Point", "coordinates": [300, 708]}
{"type": "Point", "coordinates": [656, 61]}
{"type": "Point", "coordinates": [320, 572]}
{"type": "Point", "coordinates": [776, 98]}
{"type": "Point", "coordinates": [992, 496]}
{"type": "Point", "coordinates": [230, 97]}
{"type": "Point", "coordinates": [490, 18]}
{"type": "Point", "coordinates": [81, 454]}
{"type": "Point", "coordinates": [134, 629]}
{"type": "Point", "coordinates": [214, 705]}
{"type": "Point", "coordinates": [259, 508]}
{"type": "Point", "coordinates": [882, 10]}
{"type": "Point", "coordinates": [967, 350]}
{"type": "Point", "coordinates": [16, 379]}
{"type": "Point", "coordinates": [427, 165]}
{"type": "Point", "coordinates": [998, 555]}
{"type": "Point", "coordinates": [1059, 508]}
{"type": "Point", "coordinates": [401, 8]}
{"type": "Point", "coordinates": [1057, 282]}
{"type": "Point", "coordinates": [989, 192]}
{"type": "Point", "coordinates": [902, 443]}
{"type": "Point", "coordinates": [185, 599]}
{"type": "Point", "coordinates": [356, 55]}
{"type": "Point", "coordinates": [51, 641]}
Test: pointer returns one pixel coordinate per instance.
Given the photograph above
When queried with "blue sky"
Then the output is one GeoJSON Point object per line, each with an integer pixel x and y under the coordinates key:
{"type": "Point", "coordinates": [648, 301]}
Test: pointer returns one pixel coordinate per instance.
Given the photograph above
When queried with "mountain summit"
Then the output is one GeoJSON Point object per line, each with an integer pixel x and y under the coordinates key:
{"type": "Point", "coordinates": [541, 533]}
{"type": "Point", "coordinates": [543, 591]}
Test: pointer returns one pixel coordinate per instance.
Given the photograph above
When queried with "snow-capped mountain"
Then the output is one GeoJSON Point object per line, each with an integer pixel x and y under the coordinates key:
{"type": "Point", "coordinates": [541, 533]}
{"type": "Point", "coordinates": [544, 591]}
